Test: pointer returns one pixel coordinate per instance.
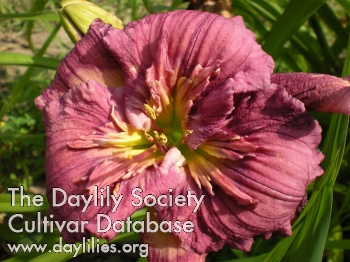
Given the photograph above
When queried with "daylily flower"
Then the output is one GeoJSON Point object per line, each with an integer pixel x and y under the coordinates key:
{"type": "Point", "coordinates": [185, 101]}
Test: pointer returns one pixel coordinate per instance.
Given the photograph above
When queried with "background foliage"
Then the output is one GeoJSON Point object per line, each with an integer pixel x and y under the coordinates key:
{"type": "Point", "coordinates": [309, 36]}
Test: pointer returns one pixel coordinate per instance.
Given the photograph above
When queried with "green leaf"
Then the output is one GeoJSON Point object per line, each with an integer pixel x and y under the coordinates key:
{"type": "Point", "coordinates": [8, 235]}
{"type": "Point", "coordinates": [5, 204]}
{"type": "Point", "coordinates": [247, 259]}
{"type": "Point", "coordinates": [7, 58]}
{"type": "Point", "coordinates": [267, 9]}
{"type": "Point", "coordinates": [294, 16]}
{"type": "Point", "coordinates": [338, 244]}
{"type": "Point", "coordinates": [334, 23]}
{"type": "Point", "coordinates": [345, 4]}
{"type": "Point", "coordinates": [32, 16]}
{"type": "Point", "coordinates": [148, 6]}
{"type": "Point", "coordinates": [282, 247]}
{"type": "Point", "coordinates": [37, 6]}
{"type": "Point", "coordinates": [309, 243]}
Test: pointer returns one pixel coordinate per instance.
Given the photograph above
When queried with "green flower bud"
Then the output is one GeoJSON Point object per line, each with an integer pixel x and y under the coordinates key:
{"type": "Point", "coordinates": [77, 15]}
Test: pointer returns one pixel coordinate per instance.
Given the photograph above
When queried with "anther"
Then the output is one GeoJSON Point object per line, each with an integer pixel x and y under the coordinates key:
{"type": "Point", "coordinates": [160, 139]}
{"type": "Point", "coordinates": [150, 112]}
{"type": "Point", "coordinates": [185, 135]}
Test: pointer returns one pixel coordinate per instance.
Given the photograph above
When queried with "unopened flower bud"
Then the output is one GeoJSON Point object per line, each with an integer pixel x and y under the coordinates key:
{"type": "Point", "coordinates": [77, 15]}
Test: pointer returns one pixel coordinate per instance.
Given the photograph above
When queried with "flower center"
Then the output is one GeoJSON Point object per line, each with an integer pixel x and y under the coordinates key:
{"type": "Point", "coordinates": [131, 151]}
{"type": "Point", "coordinates": [170, 106]}
{"type": "Point", "coordinates": [165, 137]}
{"type": "Point", "coordinates": [175, 137]}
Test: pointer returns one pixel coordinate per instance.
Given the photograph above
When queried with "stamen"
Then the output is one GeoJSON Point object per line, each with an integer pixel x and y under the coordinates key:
{"type": "Point", "coordinates": [185, 135]}
{"type": "Point", "coordinates": [160, 139]}
{"type": "Point", "coordinates": [123, 126]}
{"type": "Point", "coordinates": [150, 112]}
{"type": "Point", "coordinates": [163, 139]}
{"type": "Point", "coordinates": [187, 132]}
{"type": "Point", "coordinates": [149, 137]}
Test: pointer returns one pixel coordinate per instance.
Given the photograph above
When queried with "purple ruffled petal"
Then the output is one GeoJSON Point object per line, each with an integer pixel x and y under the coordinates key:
{"type": "Point", "coordinates": [155, 180]}
{"type": "Point", "coordinates": [204, 121]}
{"type": "Point", "coordinates": [88, 60]}
{"type": "Point", "coordinates": [75, 114]}
{"type": "Point", "coordinates": [166, 247]}
{"type": "Point", "coordinates": [85, 148]}
{"type": "Point", "coordinates": [158, 50]}
{"type": "Point", "coordinates": [259, 192]}
{"type": "Point", "coordinates": [318, 92]}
